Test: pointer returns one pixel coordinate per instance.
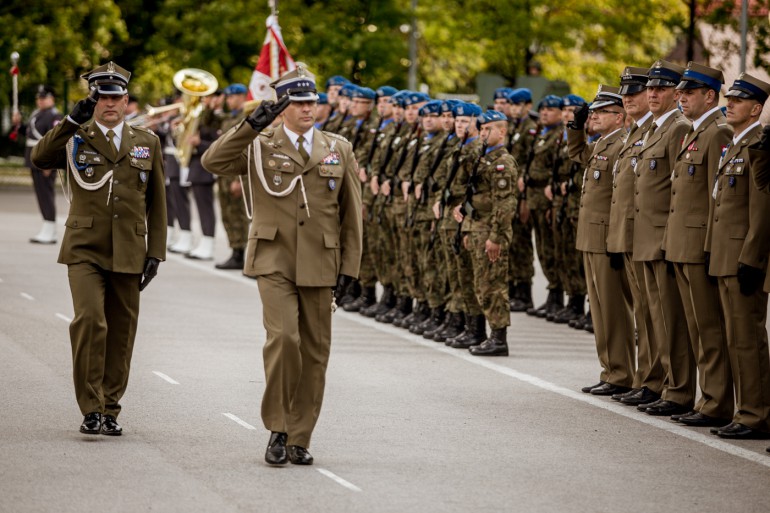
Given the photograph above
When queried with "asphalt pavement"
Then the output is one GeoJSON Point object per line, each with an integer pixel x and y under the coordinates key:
{"type": "Point", "coordinates": [408, 425]}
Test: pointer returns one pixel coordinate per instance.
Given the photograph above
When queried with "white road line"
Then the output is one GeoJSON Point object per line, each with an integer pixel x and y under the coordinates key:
{"type": "Point", "coordinates": [164, 376]}
{"type": "Point", "coordinates": [338, 479]}
{"type": "Point", "coordinates": [27, 296]}
{"type": "Point", "coordinates": [63, 317]}
{"type": "Point", "coordinates": [239, 421]}
{"type": "Point", "coordinates": [622, 410]}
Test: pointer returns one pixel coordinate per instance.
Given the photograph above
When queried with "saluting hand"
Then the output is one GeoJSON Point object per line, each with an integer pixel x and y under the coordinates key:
{"type": "Point", "coordinates": [84, 109]}
{"type": "Point", "coordinates": [264, 115]}
{"type": "Point", "coordinates": [151, 265]}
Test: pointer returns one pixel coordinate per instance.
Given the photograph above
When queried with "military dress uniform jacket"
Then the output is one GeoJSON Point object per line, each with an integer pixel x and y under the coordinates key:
{"type": "Point", "coordinates": [692, 181]}
{"type": "Point", "coordinates": [107, 226]}
{"type": "Point", "coordinates": [620, 238]}
{"type": "Point", "coordinates": [652, 194]}
{"type": "Point", "coordinates": [309, 250]}
{"type": "Point", "coordinates": [739, 231]}
{"type": "Point", "coordinates": [596, 191]}
{"type": "Point", "coordinates": [210, 130]}
{"type": "Point", "coordinates": [496, 199]}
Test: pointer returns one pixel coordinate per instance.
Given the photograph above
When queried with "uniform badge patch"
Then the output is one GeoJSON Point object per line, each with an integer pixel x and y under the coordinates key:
{"type": "Point", "coordinates": [81, 158]}
{"type": "Point", "coordinates": [140, 152]}
{"type": "Point", "coordinates": [500, 167]}
{"type": "Point", "coordinates": [271, 163]}
{"type": "Point", "coordinates": [633, 161]}
{"type": "Point", "coordinates": [691, 170]}
{"type": "Point", "coordinates": [287, 165]}
{"type": "Point", "coordinates": [332, 159]}
{"type": "Point", "coordinates": [143, 176]}
{"type": "Point", "coordinates": [89, 172]}
{"type": "Point", "coordinates": [653, 165]}
{"type": "Point", "coordinates": [332, 184]}
{"type": "Point", "coordinates": [502, 183]}
{"type": "Point", "coordinates": [731, 181]}
{"type": "Point", "coordinates": [277, 180]}
{"type": "Point", "coordinates": [687, 156]}
{"type": "Point", "coordinates": [516, 137]}
{"type": "Point", "coordinates": [597, 174]}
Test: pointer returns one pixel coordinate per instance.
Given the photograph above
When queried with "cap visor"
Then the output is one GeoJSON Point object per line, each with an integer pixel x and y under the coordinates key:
{"type": "Point", "coordinates": [109, 89]}
{"type": "Point", "coordinates": [738, 93]}
{"type": "Point", "coordinates": [632, 89]}
{"type": "Point", "coordinates": [689, 84]}
{"type": "Point", "coordinates": [659, 82]}
{"type": "Point", "coordinates": [303, 97]}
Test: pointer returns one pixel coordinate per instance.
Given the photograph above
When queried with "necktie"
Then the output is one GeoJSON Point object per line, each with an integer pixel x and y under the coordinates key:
{"type": "Point", "coordinates": [301, 148]}
{"type": "Point", "coordinates": [651, 131]}
{"type": "Point", "coordinates": [111, 140]}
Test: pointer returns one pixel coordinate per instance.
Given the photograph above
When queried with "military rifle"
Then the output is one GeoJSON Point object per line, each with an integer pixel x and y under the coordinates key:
{"type": "Point", "coordinates": [428, 183]}
{"type": "Point", "coordinates": [523, 207]}
{"type": "Point", "coordinates": [557, 163]}
{"type": "Point", "coordinates": [381, 177]}
{"type": "Point", "coordinates": [562, 215]}
{"type": "Point", "coordinates": [360, 129]}
{"type": "Point", "coordinates": [513, 139]}
{"type": "Point", "coordinates": [446, 192]}
{"type": "Point", "coordinates": [466, 207]}
{"type": "Point", "coordinates": [395, 182]}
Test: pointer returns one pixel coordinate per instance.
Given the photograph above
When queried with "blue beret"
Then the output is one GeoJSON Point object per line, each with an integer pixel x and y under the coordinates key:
{"type": "Point", "coordinates": [336, 80]}
{"type": "Point", "coordinates": [432, 107]}
{"type": "Point", "coordinates": [551, 101]}
{"type": "Point", "coordinates": [503, 92]}
{"type": "Point", "coordinates": [521, 95]}
{"type": "Point", "coordinates": [236, 89]}
{"type": "Point", "coordinates": [347, 89]}
{"type": "Point", "coordinates": [385, 91]}
{"type": "Point", "coordinates": [573, 100]}
{"type": "Point", "coordinates": [416, 97]}
{"type": "Point", "coordinates": [399, 98]}
{"type": "Point", "coordinates": [491, 116]}
{"type": "Point", "coordinates": [363, 92]}
{"type": "Point", "coordinates": [447, 105]}
{"type": "Point", "coordinates": [466, 109]}
{"type": "Point", "coordinates": [323, 99]}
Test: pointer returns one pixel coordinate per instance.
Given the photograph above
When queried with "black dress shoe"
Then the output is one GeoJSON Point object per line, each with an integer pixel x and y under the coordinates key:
{"type": "Point", "coordinates": [110, 426]}
{"type": "Point", "coordinates": [92, 423]}
{"type": "Point", "coordinates": [587, 390]}
{"type": "Point", "coordinates": [666, 408]}
{"type": "Point", "coordinates": [299, 455]}
{"type": "Point", "coordinates": [737, 431]}
{"type": "Point", "coordinates": [618, 397]}
{"type": "Point", "coordinates": [276, 449]}
{"type": "Point", "coordinates": [644, 406]}
{"type": "Point", "coordinates": [609, 389]}
{"type": "Point", "coordinates": [678, 416]}
{"type": "Point", "coordinates": [700, 420]}
{"type": "Point", "coordinates": [644, 396]}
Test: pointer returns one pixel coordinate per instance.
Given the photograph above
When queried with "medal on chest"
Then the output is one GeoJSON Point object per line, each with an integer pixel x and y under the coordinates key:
{"type": "Point", "coordinates": [277, 180]}
{"type": "Point", "coordinates": [332, 184]}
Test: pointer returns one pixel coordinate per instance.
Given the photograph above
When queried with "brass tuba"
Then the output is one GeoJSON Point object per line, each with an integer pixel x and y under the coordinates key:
{"type": "Point", "coordinates": [194, 84]}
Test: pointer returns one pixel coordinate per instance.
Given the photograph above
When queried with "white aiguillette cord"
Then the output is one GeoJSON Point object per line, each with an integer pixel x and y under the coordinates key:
{"type": "Point", "coordinates": [72, 168]}
{"type": "Point", "coordinates": [256, 147]}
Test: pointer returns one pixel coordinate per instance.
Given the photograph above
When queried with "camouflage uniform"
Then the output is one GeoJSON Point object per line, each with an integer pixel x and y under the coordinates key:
{"type": "Point", "coordinates": [363, 138]}
{"type": "Point", "coordinates": [233, 210]}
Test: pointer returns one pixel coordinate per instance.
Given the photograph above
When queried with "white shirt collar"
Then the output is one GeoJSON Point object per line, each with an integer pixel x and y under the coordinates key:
{"type": "Point", "coordinates": [658, 122]}
{"type": "Point", "coordinates": [118, 132]}
{"type": "Point", "coordinates": [697, 122]}
{"type": "Point", "coordinates": [643, 120]}
{"type": "Point", "coordinates": [740, 136]}
{"type": "Point", "coordinates": [307, 135]}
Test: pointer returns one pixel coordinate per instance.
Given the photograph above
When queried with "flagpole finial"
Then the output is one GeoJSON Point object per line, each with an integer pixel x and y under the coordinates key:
{"type": "Point", "coordinates": [14, 58]}
{"type": "Point", "coordinates": [273, 4]}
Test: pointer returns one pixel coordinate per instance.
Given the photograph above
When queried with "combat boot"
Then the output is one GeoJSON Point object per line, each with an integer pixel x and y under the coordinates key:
{"type": "Point", "coordinates": [432, 323]}
{"type": "Point", "coordinates": [589, 324]}
{"type": "Point", "coordinates": [453, 328]}
{"type": "Point", "coordinates": [522, 298]}
{"type": "Point", "coordinates": [446, 319]}
{"type": "Point", "coordinates": [387, 301]}
{"type": "Point", "coordinates": [388, 316]}
{"type": "Point", "coordinates": [540, 310]}
{"type": "Point", "coordinates": [556, 299]}
{"type": "Point", "coordinates": [573, 310]}
{"type": "Point", "coordinates": [422, 315]}
{"type": "Point", "coordinates": [367, 298]}
{"type": "Point", "coordinates": [351, 293]}
{"type": "Point", "coordinates": [234, 262]}
{"type": "Point", "coordinates": [495, 345]}
{"type": "Point", "coordinates": [403, 322]}
{"type": "Point", "coordinates": [403, 312]}
{"type": "Point", "coordinates": [578, 323]}
{"type": "Point", "coordinates": [476, 335]}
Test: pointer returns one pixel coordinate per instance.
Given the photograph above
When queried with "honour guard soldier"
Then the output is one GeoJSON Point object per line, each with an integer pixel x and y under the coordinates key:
{"type": "Point", "coordinates": [42, 119]}
{"type": "Point", "coordinates": [654, 165]}
{"type": "Point", "coordinates": [487, 223]}
{"type": "Point", "coordinates": [691, 184]}
{"type": "Point", "coordinates": [739, 241]}
{"type": "Point", "coordinates": [305, 237]}
{"type": "Point", "coordinates": [333, 86]}
{"type": "Point", "coordinates": [114, 240]}
{"type": "Point", "coordinates": [606, 282]}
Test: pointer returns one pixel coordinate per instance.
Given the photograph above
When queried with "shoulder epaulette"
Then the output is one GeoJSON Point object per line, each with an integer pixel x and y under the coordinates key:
{"type": "Point", "coordinates": [267, 133]}
{"type": "Point", "coordinates": [336, 136]}
{"type": "Point", "coordinates": [144, 129]}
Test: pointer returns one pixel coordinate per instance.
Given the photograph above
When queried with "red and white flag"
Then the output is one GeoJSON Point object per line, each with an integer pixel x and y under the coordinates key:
{"type": "Point", "coordinates": [274, 61]}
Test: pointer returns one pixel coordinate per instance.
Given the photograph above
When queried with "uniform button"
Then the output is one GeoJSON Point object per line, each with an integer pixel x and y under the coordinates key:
{"type": "Point", "coordinates": [116, 182]}
{"type": "Point", "coordinates": [301, 223]}
{"type": "Point", "coordinates": [302, 205]}
{"type": "Point", "coordinates": [672, 210]}
{"type": "Point", "coordinates": [117, 198]}
{"type": "Point", "coordinates": [637, 210]}
{"type": "Point", "coordinates": [75, 224]}
{"type": "Point", "coordinates": [716, 219]}
{"type": "Point", "coordinates": [115, 216]}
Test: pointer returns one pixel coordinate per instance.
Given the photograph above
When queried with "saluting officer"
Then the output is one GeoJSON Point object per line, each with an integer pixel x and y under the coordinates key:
{"type": "Point", "coordinates": [42, 119]}
{"type": "Point", "coordinates": [114, 240]}
{"type": "Point", "coordinates": [739, 241]}
{"type": "Point", "coordinates": [305, 237]}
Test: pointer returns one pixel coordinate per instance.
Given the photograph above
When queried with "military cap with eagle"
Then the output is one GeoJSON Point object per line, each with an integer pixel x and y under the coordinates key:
{"type": "Point", "coordinates": [108, 79]}
{"type": "Point", "coordinates": [298, 84]}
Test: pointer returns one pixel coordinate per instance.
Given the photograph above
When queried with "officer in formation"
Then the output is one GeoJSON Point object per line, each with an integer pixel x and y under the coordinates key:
{"type": "Point", "coordinates": [114, 240]}
{"type": "Point", "coordinates": [42, 119]}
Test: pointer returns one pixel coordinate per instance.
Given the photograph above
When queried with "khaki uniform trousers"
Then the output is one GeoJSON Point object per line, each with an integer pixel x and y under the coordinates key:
{"type": "Point", "coordinates": [670, 334]}
{"type": "Point", "coordinates": [745, 318]}
{"type": "Point", "coordinates": [706, 324]}
{"type": "Point", "coordinates": [296, 352]}
{"type": "Point", "coordinates": [102, 333]}
{"type": "Point", "coordinates": [649, 370]}
{"type": "Point", "coordinates": [610, 300]}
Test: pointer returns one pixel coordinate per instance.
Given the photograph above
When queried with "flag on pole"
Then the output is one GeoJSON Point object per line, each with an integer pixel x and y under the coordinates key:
{"type": "Point", "coordinates": [274, 61]}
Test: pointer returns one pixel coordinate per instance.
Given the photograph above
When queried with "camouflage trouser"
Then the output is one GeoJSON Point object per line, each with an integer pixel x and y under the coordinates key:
{"type": "Point", "coordinates": [455, 302]}
{"type": "Point", "coordinates": [464, 264]}
{"type": "Point", "coordinates": [521, 256]}
{"type": "Point", "coordinates": [384, 249]}
{"type": "Point", "coordinates": [490, 281]}
{"type": "Point", "coordinates": [432, 271]}
{"type": "Point", "coordinates": [233, 213]}
{"type": "Point", "coordinates": [409, 256]}
{"type": "Point", "coordinates": [400, 248]}
{"type": "Point", "coordinates": [367, 274]}
{"type": "Point", "coordinates": [569, 261]}
{"type": "Point", "coordinates": [544, 243]}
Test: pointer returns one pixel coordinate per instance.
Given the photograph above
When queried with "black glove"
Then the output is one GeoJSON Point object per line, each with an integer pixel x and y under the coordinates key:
{"type": "Point", "coordinates": [343, 281]}
{"type": "Point", "coordinates": [150, 271]}
{"type": "Point", "coordinates": [264, 115]}
{"type": "Point", "coordinates": [749, 278]}
{"type": "Point", "coordinates": [581, 116]}
{"type": "Point", "coordinates": [84, 109]}
{"type": "Point", "coordinates": [616, 260]}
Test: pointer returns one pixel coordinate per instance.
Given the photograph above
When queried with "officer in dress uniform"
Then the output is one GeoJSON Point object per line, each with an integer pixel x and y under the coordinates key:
{"type": "Point", "coordinates": [114, 240]}
{"type": "Point", "coordinates": [42, 119]}
{"type": "Point", "coordinates": [606, 282]}
{"type": "Point", "coordinates": [305, 237]}
{"type": "Point", "coordinates": [739, 241]}
{"type": "Point", "coordinates": [691, 183]}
